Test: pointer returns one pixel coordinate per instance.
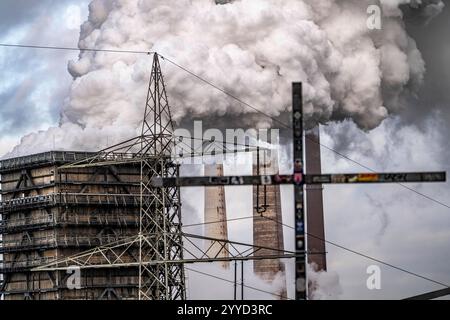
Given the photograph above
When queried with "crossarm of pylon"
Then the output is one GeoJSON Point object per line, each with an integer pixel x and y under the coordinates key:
{"type": "Point", "coordinates": [110, 254]}
{"type": "Point", "coordinates": [113, 255]}
{"type": "Point", "coordinates": [233, 248]}
{"type": "Point", "coordinates": [130, 151]}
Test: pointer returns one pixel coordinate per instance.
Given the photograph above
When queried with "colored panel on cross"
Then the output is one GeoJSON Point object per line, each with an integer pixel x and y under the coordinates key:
{"type": "Point", "coordinates": [298, 180]}
{"type": "Point", "coordinates": [407, 177]}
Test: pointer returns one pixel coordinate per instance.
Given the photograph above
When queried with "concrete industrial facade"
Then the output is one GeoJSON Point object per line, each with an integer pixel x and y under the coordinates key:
{"type": "Point", "coordinates": [49, 214]}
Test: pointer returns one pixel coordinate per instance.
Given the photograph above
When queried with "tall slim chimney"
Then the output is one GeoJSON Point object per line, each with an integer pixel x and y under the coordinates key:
{"type": "Point", "coordinates": [314, 203]}
{"type": "Point", "coordinates": [267, 222]}
{"type": "Point", "coordinates": [216, 216]}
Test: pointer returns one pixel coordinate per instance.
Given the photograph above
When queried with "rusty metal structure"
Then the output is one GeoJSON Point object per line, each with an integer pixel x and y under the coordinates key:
{"type": "Point", "coordinates": [49, 214]}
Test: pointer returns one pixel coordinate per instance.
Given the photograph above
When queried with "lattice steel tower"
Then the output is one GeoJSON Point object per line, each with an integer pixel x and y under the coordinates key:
{"type": "Point", "coordinates": [160, 219]}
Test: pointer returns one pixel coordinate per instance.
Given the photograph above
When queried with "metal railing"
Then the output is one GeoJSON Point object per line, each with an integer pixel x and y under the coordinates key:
{"type": "Point", "coordinates": [115, 220]}
{"type": "Point", "coordinates": [70, 198]}
{"type": "Point", "coordinates": [98, 199]}
{"type": "Point", "coordinates": [45, 157]}
{"type": "Point", "coordinates": [6, 266]}
{"type": "Point", "coordinates": [12, 224]}
{"type": "Point", "coordinates": [11, 245]}
{"type": "Point", "coordinates": [73, 219]}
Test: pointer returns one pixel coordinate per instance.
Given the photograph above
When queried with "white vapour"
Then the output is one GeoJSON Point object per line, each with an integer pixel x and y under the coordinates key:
{"type": "Point", "coordinates": [214, 282]}
{"type": "Point", "coordinates": [324, 285]}
{"type": "Point", "coordinates": [253, 49]}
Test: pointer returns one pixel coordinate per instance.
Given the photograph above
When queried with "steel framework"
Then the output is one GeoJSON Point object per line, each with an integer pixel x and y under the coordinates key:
{"type": "Point", "coordinates": [160, 236]}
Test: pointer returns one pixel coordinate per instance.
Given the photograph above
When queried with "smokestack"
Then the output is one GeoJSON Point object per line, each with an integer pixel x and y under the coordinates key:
{"type": "Point", "coordinates": [314, 203]}
{"type": "Point", "coordinates": [267, 222]}
{"type": "Point", "coordinates": [215, 210]}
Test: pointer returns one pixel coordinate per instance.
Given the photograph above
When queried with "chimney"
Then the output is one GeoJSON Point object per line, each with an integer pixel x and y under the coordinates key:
{"type": "Point", "coordinates": [314, 203]}
{"type": "Point", "coordinates": [267, 222]}
{"type": "Point", "coordinates": [215, 210]}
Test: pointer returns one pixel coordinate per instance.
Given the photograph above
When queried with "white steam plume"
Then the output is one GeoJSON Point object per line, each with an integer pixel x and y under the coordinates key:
{"type": "Point", "coordinates": [324, 285]}
{"type": "Point", "coordinates": [253, 49]}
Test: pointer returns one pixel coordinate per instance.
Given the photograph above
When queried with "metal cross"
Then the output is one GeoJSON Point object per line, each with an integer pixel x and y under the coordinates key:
{"type": "Point", "coordinates": [299, 180]}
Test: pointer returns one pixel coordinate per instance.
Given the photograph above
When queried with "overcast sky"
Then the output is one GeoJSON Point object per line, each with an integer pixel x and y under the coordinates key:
{"type": "Point", "coordinates": [388, 222]}
{"type": "Point", "coordinates": [34, 83]}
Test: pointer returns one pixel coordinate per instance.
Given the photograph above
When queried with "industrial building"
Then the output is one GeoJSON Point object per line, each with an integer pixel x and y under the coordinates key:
{"type": "Point", "coordinates": [48, 214]}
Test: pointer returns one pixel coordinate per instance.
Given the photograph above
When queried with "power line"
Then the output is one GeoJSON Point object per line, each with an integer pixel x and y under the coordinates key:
{"type": "Point", "coordinates": [380, 261]}
{"type": "Point", "coordinates": [230, 281]}
{"type": "Point", "coordinates": [221, 90]}
{"type": "Point", "coordinates": [289, 128]}
{"type": "Point", "coordinates": [217, 221]}
{"type": "Point", "coordinates": [335, 245]}
{"type": "Point", "coordinates": [370, 169]}
{"type": "Point", "coordinates": [365, 255]}
{"type": "Point", "coordinates": [8, 45]}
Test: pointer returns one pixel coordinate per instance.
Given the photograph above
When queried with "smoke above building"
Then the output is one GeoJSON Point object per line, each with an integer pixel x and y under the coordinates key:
{"type": "Point", "coordinates": [252, 49]}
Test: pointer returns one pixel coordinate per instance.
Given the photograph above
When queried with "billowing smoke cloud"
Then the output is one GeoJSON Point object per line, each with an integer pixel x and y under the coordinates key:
{"type": "Point", "coordinates": [253, 49]}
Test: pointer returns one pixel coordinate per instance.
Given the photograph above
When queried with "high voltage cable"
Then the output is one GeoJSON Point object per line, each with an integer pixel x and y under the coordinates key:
{"type": "Point", "coordinates": [333, 244]}
{"type": "Point", "coordinates": [289, 128]}
{"type": "Point", "coordinates": [217, 221]}
{"type": "Point", "coordinates": [7, 45]}
{"type": "Point", "coordinates": [230, 281]}
{"type": "Point", "coordinates": [365, 255]}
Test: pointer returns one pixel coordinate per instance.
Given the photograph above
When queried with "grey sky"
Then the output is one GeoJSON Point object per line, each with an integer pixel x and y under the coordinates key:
{"type": "Point", "coordinates": [34, 83]}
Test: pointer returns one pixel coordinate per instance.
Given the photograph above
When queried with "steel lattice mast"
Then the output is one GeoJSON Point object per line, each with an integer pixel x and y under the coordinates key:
{"type": "Point", "coordinates": [160, 220]}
